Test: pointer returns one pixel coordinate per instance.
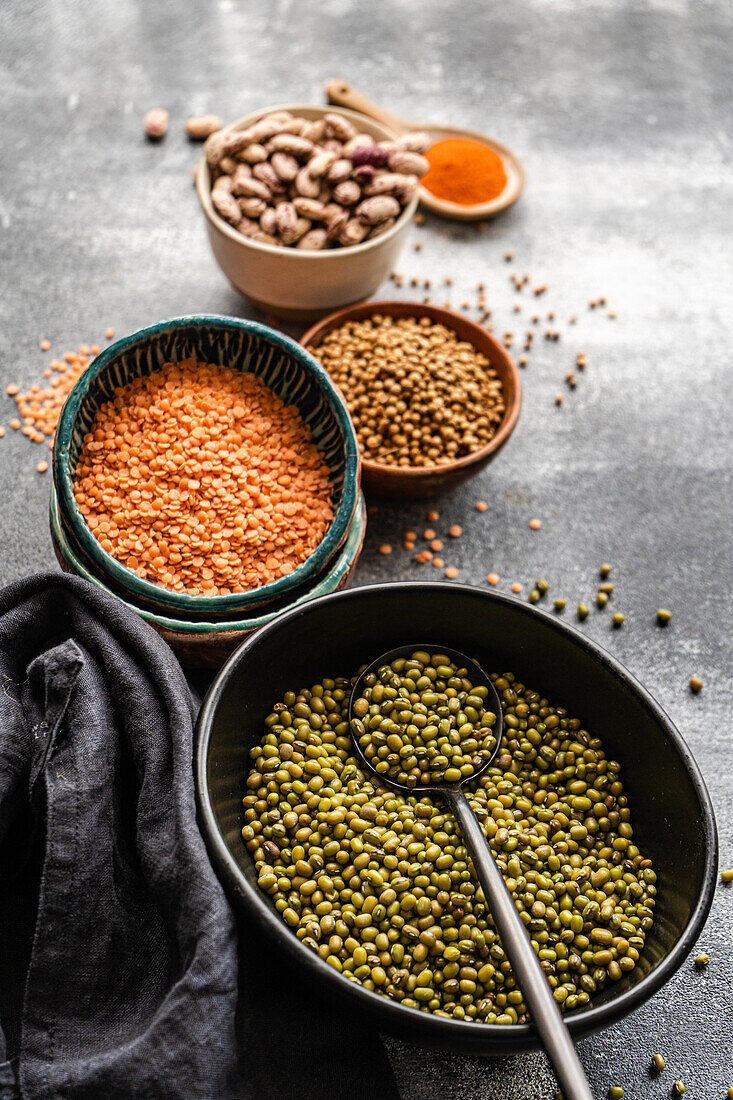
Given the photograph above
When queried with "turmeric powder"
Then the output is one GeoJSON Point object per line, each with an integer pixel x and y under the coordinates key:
{"type": "Point", "coordinates": [464, 171]}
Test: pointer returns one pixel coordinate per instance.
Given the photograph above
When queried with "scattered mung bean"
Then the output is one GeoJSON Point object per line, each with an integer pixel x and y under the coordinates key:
{"type": "Point", "coordinates": [658, 1062]}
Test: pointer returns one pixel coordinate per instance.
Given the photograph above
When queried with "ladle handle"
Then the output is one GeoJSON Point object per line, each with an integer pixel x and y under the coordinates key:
{"type": "Point", "coordinates": [530, 977]}
{"type": "Point", "coordinates": [342, 94]}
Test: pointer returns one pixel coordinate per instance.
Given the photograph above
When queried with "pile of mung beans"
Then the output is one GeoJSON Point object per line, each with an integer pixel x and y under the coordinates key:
{"type": "Point", "coordinates": [417, 394]}
{"type": "Point", "coordinates": [420, 720]}
{"type": "Point", "coordinates": [381, 886]}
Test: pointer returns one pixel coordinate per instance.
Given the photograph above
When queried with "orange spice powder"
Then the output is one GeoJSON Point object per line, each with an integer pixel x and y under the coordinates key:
{"type": "Point", "coordinates": [464, 171]}
{"type": "Point", "coordinates": [198, 478]}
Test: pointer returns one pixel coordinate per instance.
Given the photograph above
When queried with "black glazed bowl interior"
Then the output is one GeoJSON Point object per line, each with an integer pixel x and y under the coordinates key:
{"type": "Point", "coordinates": [671, 810]}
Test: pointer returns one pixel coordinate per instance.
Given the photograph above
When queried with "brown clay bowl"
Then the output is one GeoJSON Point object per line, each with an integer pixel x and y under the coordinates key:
{"type": "Point", "coordinates": [415, 482]}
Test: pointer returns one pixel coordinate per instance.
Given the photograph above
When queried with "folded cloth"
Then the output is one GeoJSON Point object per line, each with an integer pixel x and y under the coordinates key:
{"type": "Point", "coordinates": [118, 969]}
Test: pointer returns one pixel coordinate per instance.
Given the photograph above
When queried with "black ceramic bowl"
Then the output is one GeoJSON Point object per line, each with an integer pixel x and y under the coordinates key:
{"type": "Point", "coordinates": [671, 809]}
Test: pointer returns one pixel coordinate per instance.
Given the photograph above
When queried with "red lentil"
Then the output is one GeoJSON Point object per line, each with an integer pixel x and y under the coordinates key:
{"type": "Point", "coordinates": [44, 345]}
{"type": "Point", "coordinates": [451, 572]}
{"type": "Point", "coordinates": [198, 478]}
{"type": "Point", "coordinates": [455, 531]}
{"type": "Point", "coordinates": [42, 467]}
{"type": "Point", "coordinates": [535, 524]}
{"type": "Point", "coordinates": [438, 563]}
{"type": "Point", "coordinates": [436, 545]}
{"type": "Point", "coordinates": [428, 534]}
{"type": "Point", "coordinates": [516, 587]}
{"type": "Point", "coordinates": [432, 517]}
{"type": "Point", "coordinates": [481, 506]}
{"type": "Point", "coordinates": [493, 578]}
{"type": "Point", "coordinates": [385, 549]}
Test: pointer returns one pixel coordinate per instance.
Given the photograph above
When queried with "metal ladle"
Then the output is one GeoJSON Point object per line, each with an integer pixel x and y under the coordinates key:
{"type": "Point", "coordinates": [546, 1015]}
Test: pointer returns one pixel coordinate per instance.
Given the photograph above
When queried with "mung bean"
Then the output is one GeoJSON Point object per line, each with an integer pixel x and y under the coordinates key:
{"type": "Point", "coordinates": [381, 886]}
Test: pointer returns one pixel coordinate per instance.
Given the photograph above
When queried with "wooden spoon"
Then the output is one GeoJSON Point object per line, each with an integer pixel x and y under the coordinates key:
{"type": "Point", "coordinates": [343, 95]}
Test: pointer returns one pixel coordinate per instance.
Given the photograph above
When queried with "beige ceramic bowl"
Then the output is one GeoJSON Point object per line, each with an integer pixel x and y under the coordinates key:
{"type": "Point", "coordinates": [286, 282]}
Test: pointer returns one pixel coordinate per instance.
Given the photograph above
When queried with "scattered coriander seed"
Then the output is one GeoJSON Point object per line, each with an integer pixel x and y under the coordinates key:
{"type": "Point", "coordinates": [417, 246]}
{"type": "Point", "coordinates": [618, 619]}
{"type": "Point", "coordinates": [542, 586]}
{"type": "Point", "coordinates": [571, 380]}
{"type": "Point", "coordinates": [558, 399]}
{"type": "Point", "coordinates": [601, 599]}
{"type": "Point", "coordinates": [419, 219]}
{"type": "Point", "coordinates": [695, 684]}
{"type": "Point", "coordinates": [508, 256]}
{"type": "Point", "coordinates": [611, 314]}
{"type": "Point", "coordinates": [663, 616]}
{"type": "Point", "coordinates": [605, 569]}
{"type": "Point", "coordinates": [658, 1062]}
{"type": "Point", "coordinates": [534, 596]}
{"type": "Point", "coordinates": [726, 877]}
{"type": "Point", "coordinates": [678, 1088]}
{"type": "Point", "coordinates": [702, 961]}
{"type": "Point", "coordinates": [583, 611]}
{"type": "Point", "coordinates": [559, 604]}
{"type": "Point", "coordinates": [523, 360]}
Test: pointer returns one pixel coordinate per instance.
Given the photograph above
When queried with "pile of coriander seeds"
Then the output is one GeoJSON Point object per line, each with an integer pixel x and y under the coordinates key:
{"type": "Point", "coordinates": [418, 395]}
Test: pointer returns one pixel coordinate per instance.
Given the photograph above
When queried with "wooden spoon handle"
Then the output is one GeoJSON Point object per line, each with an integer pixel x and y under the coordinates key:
{"type": "Point", "coordinates": [342, 94]}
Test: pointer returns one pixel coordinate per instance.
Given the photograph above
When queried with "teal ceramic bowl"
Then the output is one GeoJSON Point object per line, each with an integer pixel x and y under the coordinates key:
{"type": "Point", "coordinates": [287, 369]}
{"type": "Point", "coordinates": [201, 644]}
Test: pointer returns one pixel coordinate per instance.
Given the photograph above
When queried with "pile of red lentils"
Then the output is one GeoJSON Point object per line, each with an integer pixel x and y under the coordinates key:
{"type": "Point", "coordinates": [198, 478]}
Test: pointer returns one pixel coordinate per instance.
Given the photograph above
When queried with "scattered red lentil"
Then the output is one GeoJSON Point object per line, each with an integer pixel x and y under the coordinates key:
{"type": "Point", "coordinates": [535, 524]}
{"type": "Point", "coordinates": [198, 478]}
{"type": "Point", "coordinates": [385, 548]}
{"type": "Point", "coordinates": [2, 431]}
{"type": "Point", "coordinates": [493, 578]}
{"type": "Point", "coordinates": [516, 587]}
{"type": "Point", "coordinates": [451, 572]}
{"type": "Point", "coordinates": [432, 517]}
{"type": "Point", "coordinates": [423, 556]}
{"type": "Point", "coordinates": [408, 544]}
{"type": "Point", "coordinates": [438, 563]}
{"type": "Point", "coordinates": [109, 333]}
{"type": "Point", "coordinates": [436, 545]}
{"type": "Point", "coordinates": [15, 424]}
{"type": "Point", "coordinates": [455, 531]}
{"type": "Point", "coordinates": [481, 506]}
{"type": "Point", "coordinates": [44, 345]}
{"type": "Point", "coordinates": [42, 467]}
{"type": "Point", "coordinates": [11, 390]}
{"type": "Point", "coordinates": [428, 534]}
{"type": "Point", "coordinates": [411, 535]}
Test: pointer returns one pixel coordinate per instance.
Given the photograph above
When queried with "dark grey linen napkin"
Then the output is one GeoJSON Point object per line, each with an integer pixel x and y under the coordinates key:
{"type": "Point", "coordinates": [118, 956]}
{"type": "Point", "coordinates": [118, 967]}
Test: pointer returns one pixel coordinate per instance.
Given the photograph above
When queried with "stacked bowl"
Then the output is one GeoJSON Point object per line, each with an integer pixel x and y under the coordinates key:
{"type": "Point", "coordinates": [203, 630]}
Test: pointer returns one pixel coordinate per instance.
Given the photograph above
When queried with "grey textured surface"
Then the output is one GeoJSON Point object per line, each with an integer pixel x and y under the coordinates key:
{"type": "Point", "coordinates": [621, 113]}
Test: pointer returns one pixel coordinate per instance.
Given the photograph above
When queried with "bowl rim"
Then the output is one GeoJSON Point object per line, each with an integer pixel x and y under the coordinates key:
{"type": "Point", "coordinates": [126, 578]}
{"type": "Point", "coordinates": [447, 317]}
{"type": "Point", "coordinates": [344, 560]}
{"type": "Point", "coordinates": [203, 191]}
{"type": "Point", "coordinates": [492, 1038]}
